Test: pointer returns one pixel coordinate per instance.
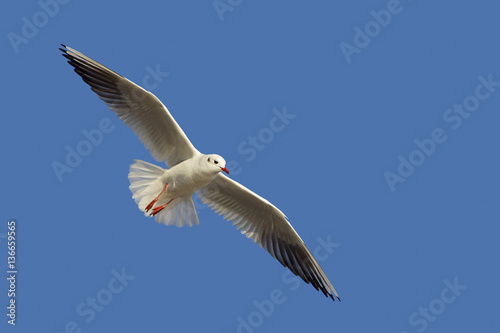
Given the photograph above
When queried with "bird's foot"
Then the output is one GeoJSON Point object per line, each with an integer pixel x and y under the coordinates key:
{"type": "Point", "coordinates": [156, 210]}
{"type": "Point", "coordinates": [152, 203]}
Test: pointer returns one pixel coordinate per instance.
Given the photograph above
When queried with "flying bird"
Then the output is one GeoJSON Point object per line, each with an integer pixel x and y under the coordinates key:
{"type": "Point", "coordinates": [167, 194]}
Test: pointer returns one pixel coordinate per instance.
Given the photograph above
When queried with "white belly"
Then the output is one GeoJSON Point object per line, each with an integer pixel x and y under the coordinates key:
{"type": "Point", "coordinates": [183, 180]}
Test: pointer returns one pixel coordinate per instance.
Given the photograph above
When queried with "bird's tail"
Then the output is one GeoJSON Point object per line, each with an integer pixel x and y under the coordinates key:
{"type": "Point", "coordinates": [146, 185]}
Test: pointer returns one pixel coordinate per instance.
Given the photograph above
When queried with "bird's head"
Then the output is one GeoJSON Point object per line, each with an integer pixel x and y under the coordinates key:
{"type": "Point", "coordinates": [216, 163]}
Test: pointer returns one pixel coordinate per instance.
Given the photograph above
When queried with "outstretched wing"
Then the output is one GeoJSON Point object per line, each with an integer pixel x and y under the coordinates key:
{"type": "Point", "coordinates": [137, 108]}
{"type": "Point", "coordinates": [266, 225]}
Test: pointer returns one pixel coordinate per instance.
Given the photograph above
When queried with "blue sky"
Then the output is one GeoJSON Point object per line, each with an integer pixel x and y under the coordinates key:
{"type": "Point", "coordinates": [386, 165]}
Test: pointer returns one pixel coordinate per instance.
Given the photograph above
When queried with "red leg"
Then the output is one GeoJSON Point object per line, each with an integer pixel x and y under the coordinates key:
{"type": "Point", "coordinates": [156, 210]}
{"type": "Point", "coordinates": [151, 204]}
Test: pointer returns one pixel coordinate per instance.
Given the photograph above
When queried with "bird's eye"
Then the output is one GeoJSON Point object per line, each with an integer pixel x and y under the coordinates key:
{"type": "Point", "coordinates": [216, 162]}
{"type": "Point", "coordinates": [208, 159]}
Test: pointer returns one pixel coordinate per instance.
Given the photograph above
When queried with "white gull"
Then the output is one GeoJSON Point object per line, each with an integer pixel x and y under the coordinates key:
{"type": "Point", "coordinates": [167, 194]}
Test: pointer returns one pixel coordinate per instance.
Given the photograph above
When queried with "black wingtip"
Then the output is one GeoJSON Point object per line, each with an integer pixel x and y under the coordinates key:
{"type": "Point", "coordinates": [65, 50]}
{"type": "Point", "coordinates": [333, 298]}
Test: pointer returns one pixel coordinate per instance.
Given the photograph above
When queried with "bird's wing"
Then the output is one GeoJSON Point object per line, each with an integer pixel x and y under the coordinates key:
{"type": "Point", "coordinates": [137, 108]}
{"type": "Point", "coordinates": [266, 225]}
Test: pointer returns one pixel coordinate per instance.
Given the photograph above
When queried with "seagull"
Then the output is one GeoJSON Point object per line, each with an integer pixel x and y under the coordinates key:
{"type": "Point", "coordinates": [167, 194]}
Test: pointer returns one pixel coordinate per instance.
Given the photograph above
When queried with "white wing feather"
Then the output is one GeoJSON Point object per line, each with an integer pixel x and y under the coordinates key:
{"type": "Point", "coordinates": [137, 108]}
{"type": "Point", "coordinates": [266, 225]}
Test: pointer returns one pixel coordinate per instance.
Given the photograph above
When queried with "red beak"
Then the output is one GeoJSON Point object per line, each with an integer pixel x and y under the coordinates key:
{"type": "Point", "coordinates": [225, 170]}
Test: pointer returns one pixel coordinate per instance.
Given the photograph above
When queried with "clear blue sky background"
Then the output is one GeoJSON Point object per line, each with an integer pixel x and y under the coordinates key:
{"type": "Point", "coordinates": [395, 251]}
